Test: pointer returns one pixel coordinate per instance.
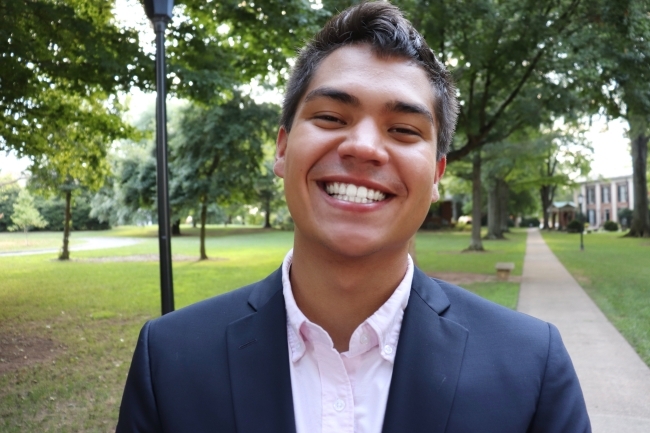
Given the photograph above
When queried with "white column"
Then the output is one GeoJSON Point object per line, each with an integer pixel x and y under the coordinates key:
{"type": "Point", "coordinates": [598, 192]}
{"type": "Point", "coordinates": [614, 198]}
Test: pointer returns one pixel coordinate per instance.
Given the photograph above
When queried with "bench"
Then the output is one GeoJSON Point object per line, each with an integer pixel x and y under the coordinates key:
{"type": "Point", "coordinates": [503, 270]}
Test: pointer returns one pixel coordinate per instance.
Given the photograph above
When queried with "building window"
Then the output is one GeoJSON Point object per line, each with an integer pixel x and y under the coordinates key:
{"type": "Point", "coordinates": [591, 195]}
{"type": "Point", "coordinates": [606, 190]}
{"type": "Point", "coordinates": [592, 217]}
{"type": "Point", "coordinates": [607, 215]}
{"type": "Point", "coordinates": [622, 193]}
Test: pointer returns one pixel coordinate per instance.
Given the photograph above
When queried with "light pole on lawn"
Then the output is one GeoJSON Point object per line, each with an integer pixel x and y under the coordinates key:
{"type": "Point", "coordinates": [160, 13]}
{"type": "Point", "coordinates": [582, 224]}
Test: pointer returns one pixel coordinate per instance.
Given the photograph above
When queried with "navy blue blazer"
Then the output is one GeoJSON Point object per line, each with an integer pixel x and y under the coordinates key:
{"type": "Point", "coordinates": [463, 365]}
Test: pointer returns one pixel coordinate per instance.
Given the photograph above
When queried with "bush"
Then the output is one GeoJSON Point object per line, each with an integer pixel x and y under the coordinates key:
{"type": "Point", "coordinates": [610, 226]}
{"type": "Point", "coordinates": [575, 226]}
{"type": "Point", "coordinates": [529, 222]}
{"type": "Point", "coordinates": [625, 217]}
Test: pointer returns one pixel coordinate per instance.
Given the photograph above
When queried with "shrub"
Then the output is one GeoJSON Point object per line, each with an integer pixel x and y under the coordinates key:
{"type": "Point", "coordinates": [529, 222]}
{"type": "Point", "coordinates": [610, 226]}
{"type": "Point", "coordinates": [575, 226]}
{"type": "Point", "coordinates": [625, 217]}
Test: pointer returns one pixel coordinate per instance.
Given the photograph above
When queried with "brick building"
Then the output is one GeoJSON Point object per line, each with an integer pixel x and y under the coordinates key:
{"type": "Point", "coordinates": [604, 198]}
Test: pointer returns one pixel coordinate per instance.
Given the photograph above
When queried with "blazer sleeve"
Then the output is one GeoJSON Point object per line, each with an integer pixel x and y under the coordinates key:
{"type": "Point", "coordinates": [561, 406]}
{"type": "Point", "coordinates": [138, 411]}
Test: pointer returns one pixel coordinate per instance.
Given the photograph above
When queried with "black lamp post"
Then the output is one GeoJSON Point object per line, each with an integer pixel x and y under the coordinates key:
{"type": "Point", "coordinates": [582, 224]}
{"type": "Point", "coordinates": [160, 13]}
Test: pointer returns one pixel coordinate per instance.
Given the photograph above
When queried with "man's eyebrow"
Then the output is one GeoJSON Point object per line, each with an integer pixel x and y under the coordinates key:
{"type": "Point", "coordinates": [410, 108]}
{"type": "Point", "coordinates": [332, 93]}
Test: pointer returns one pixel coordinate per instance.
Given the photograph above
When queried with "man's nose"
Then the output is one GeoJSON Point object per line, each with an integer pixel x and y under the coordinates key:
{"type": "Point", "coordinates": [365, 143]}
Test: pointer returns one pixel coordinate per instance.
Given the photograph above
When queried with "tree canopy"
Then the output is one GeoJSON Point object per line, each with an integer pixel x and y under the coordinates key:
{"type": "Point", "coordinates": [53, 53]}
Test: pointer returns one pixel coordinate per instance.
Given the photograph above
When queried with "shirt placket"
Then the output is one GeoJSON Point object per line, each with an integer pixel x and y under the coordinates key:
{"type": "Point", "coordinates": [336, 391]}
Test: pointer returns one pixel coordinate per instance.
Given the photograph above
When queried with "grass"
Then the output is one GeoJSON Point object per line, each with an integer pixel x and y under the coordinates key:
{"type": "Point", "coordinates": [17, 241]}
{"type": "Point", "coordinates": [443, 251]}
{"type": "Point", "coordinates": [615, 272]}
{"type": "Point", "coordinates": [87, 312]}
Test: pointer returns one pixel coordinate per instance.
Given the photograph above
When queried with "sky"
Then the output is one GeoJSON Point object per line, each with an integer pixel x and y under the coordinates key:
{"type": "Point", "coordinates": [611, 146]}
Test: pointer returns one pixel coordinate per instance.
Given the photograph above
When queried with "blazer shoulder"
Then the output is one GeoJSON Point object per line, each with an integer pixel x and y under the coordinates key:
{"type": "Point", "coordinates": [221, 310]}
{"type": "Point", "coordinates": [479, 315]}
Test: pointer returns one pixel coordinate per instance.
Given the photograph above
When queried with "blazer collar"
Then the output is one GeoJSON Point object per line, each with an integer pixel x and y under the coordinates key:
{"type": "Point", "coordinates": [428, 362]}
{"type": "Point", "coordinates": [258, 357]}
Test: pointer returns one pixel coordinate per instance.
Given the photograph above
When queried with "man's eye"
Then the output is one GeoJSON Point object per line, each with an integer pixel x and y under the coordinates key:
{"type": "Point", "coordinates": [407, 131]}
{"type": "Point", "coordinates": [328, 118]}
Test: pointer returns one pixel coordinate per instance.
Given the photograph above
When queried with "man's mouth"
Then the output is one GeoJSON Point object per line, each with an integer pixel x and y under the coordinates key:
{"type": "Point", "coordinates": [353, 193]}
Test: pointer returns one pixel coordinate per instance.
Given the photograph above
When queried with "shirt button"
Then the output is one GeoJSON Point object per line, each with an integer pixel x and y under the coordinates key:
{"type": "Point", "coordinates": [339, 405]}
{"type": "Point", "coordinates": [364, 339]}
{"type": "Point", "coordinates": [388, 350]}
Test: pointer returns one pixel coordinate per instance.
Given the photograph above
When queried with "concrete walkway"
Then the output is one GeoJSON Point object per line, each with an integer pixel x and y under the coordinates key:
{"type": "Point", "coordinates": [99, 243]}
{"type": "Point", "coordinates": [615, 381]}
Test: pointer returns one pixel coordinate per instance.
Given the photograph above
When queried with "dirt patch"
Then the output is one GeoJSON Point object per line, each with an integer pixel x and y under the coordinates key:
{"type": "Point", "coordinates": [18, 351]}
{"type": "Point", "coordinates": [144, 258]}
{"type": "Point", "coordinates": [468, 278]}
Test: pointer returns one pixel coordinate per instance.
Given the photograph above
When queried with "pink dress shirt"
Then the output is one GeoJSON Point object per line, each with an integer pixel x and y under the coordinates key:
{"type": "Point", "coordinates": [343, 392]}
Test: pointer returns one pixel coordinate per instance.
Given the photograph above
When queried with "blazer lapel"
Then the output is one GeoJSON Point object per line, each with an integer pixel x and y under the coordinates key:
{"type": "Point", "coordinates": [427, 364]}
{"type": "Point", "coordinates": [259, 363]}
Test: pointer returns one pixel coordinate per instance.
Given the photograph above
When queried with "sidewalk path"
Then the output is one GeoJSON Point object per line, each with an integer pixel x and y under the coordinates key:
{"type": "Point", "coordinates": [99, 243]}
{"type": "Point", "coordinates": [615, 381]}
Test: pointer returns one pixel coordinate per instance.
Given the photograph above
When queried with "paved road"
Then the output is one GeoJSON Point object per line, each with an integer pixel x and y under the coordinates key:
{"type": "Point", "coordinates": [615, 381]}
{"type": "Point", "coordinates": [89, 244]}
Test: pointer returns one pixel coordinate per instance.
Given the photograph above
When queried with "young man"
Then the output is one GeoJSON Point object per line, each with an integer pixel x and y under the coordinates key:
{"type": "Point", "coordinates": [347, 336]}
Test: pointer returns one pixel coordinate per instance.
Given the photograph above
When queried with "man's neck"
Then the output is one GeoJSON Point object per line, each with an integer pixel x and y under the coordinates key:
{"type": "Point", "coordinates": [339, 293]}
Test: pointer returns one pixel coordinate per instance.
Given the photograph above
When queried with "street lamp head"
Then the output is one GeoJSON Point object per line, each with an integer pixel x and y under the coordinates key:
{"type": "Point", "coordinates": [158, 9]}
{"type": "Point", "coordinates": [580, 198]}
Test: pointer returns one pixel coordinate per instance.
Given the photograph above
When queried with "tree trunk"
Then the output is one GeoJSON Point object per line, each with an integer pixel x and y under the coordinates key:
{"type": "Point", "coordinates": [267, 213]}
{"type": "Point", "coordinates": [504, 196]}
{"type": "Point", "coordinates": [476, 243]}
{"type": "Point", "coordinates": [546, 193]}
{"type": "Point", "coordinates": [176, 228]}
{"type": "Point", "coordinates": [65, 252]}
{"type": "Point", "coordinates": [204, 217]}
{"type": "Point", "coordinates": [640, 226]}
{"type": "Point", "coordinates": [494, 219]}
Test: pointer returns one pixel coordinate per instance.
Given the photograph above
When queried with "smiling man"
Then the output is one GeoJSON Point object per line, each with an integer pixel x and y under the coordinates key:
{"type": "Point", "coordinates": [348, 336]}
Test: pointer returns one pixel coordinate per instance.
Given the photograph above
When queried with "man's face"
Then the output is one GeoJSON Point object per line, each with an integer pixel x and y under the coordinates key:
{"type": "Point", "coordinates": [359, 164]}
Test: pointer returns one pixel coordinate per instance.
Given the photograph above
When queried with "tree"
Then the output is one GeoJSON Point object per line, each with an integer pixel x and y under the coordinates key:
{"type": "Point", "coordinates": [25, 215]}
{"type": "Point", "coordinates": [268, 190]}
{"type": "Point", "coordinates": [9, 190]}
{"type": "Point", "coordinates": [55, 51]}
{"type": "Point", "coordinates": [216, 154]}
{"type": "Point", "coordinates": [618, 78]}
{"type": "Point", "coordinates": [77, 155]}
{"type": "Point", "coordinates": [506, 58]}
{"type": "Point", "coordinates": [549, 159]}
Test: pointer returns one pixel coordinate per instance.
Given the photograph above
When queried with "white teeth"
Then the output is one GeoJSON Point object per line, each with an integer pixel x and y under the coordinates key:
{"type": "Point", "coordinates": [353, 193]}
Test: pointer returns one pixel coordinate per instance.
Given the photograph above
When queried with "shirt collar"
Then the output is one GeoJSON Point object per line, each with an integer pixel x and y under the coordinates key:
{"type": "Point", "coordinates": [380, 329]}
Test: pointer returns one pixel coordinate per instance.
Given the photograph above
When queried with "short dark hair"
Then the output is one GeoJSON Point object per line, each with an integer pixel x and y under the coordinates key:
{"type": "Point", "coordinates": [384, 28]}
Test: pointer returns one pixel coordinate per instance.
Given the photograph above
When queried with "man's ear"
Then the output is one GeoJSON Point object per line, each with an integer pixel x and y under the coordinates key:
{"type": "Point", "coordinates": [280, 151]}
{"type": "Point", "coordinates": [440, 171]}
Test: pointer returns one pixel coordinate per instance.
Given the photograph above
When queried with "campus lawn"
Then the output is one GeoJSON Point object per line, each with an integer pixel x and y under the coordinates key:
{"type": "Point", "coordinates": [18, 241]}
{"type": "Point", "coordinates": [78, 321]}
{"type": "Point", "coordinates": [443, 252]}
{"type": "Point", "coordinates": [615, 272]}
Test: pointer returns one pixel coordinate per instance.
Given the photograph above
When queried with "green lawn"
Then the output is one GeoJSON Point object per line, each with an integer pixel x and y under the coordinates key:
{"type": "Point", "coordinates": [615, 272]}
{"type": "Point", "coordinates": [443, 252]}
{"type": "Point", "coordinates": [84, 315]}
{"type": "Point", "coordinates": [17, 241]}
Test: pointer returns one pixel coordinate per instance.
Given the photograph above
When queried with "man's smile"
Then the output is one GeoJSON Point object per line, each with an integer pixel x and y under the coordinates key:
{"type": "Point", "coordinates": [353, 193]}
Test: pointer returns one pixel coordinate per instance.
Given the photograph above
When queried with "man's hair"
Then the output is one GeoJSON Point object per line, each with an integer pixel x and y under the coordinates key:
{"type": "Point", "coordinates": [383, 27]}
